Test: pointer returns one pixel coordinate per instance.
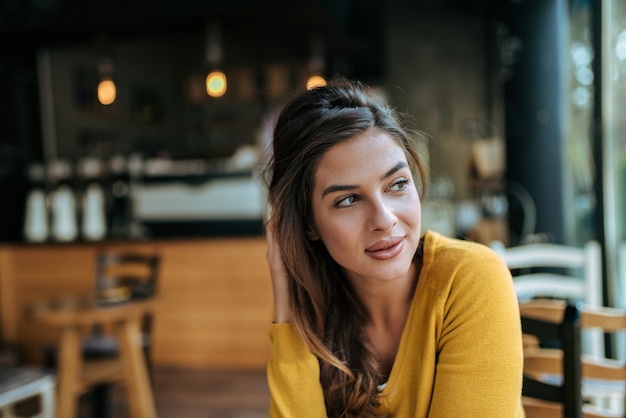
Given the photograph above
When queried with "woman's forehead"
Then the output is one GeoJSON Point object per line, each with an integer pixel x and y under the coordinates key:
{"type": "Point", "coordinates": [371, 153]}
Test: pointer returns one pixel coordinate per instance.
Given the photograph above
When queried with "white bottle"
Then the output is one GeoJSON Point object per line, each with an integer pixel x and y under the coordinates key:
{"type": "Point", "coordinates": [36, 213]}
{"type": "Point", "coordinates": [64, 226]}
{"type": "Point", "coordinates": [93, 226]}
{"type": "Point", "coordinates": [62, 202]}
{"type": "Point", "coordinates": [36, 220]}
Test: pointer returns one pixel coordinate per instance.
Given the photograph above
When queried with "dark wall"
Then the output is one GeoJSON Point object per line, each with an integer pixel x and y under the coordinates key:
{"type": "Point", "coordinates": [20, 134]}
{"type": "Point", "coordinates": [270, 30]}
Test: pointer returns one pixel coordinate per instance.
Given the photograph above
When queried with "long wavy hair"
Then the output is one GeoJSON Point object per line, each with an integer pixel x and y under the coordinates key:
{"type": "Point", "coordinates": [325, 311]}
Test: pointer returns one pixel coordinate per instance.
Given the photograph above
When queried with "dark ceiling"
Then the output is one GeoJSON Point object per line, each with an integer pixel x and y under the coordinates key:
{"type": "Point", "coordinates": [54, 21]}
{"type": "Point", "coordinates": [58, 21]}
{"type": "Point", "coordinates": [352, 29]}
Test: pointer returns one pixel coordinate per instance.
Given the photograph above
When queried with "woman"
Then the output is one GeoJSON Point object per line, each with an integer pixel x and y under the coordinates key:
{"type": "Point", "coordinates": [370, 318]}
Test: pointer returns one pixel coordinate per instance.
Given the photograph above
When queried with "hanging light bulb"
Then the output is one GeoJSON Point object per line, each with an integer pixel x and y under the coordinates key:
{"type": "Point", "coordinates": [316, 63]}
{"type": "Point", "coordinates": [216, 83]}
{"type": "Point", "coordinates": [107, 91]}
{"type": "Point", "coordinates": [216, 79]}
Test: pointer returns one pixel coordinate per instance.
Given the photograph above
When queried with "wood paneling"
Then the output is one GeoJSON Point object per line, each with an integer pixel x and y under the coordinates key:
{"type": "Point", "coordinates": [215, 298]}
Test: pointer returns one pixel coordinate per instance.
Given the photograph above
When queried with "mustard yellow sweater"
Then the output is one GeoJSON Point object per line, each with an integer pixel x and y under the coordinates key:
{"type": "Point", "coordinates": [460, 355]}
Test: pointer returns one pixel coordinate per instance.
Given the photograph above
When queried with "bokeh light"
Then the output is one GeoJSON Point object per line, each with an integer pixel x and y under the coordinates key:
{"type": "Point", "coordinates": [107, 91]}
{"type": "Point", "coordinates": [216, 83]}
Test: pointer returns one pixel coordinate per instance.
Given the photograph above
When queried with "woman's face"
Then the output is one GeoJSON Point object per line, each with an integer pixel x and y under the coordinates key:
{"type": "Point", "coordinates": [366, 209]}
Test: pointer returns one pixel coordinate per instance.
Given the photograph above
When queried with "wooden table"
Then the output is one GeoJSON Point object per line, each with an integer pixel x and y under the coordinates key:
{"type": "Point", "coordinates": [75, 375]}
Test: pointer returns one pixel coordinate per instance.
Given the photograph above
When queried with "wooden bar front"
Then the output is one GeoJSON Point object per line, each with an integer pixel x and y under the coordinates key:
{"type": "Point", "coordinates": [214, 307]}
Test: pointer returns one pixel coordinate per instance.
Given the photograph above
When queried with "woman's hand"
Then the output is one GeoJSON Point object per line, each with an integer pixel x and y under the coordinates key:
{"type": "Point", "coordinates": [280, 279]}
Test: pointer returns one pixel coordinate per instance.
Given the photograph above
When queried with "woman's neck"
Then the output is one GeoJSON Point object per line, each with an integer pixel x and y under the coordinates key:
{"type": "Point", "coordinates": [385, 302]}
{"type": "Point", "coordinates": [388, 313]}
{"type": "Point", "coordinates": [388, 308]}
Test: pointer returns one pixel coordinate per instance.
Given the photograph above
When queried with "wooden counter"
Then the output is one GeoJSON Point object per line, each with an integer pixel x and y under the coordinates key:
{"type": "Point", "coordinates": [214, 298]}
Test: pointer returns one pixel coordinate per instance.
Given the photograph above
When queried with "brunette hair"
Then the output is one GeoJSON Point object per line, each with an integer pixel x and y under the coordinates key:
{"type": "Point", "coordinates": [325, 311]}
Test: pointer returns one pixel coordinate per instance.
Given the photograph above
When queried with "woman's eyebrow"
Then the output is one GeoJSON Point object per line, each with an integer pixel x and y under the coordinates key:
{"type": "Point", "coordinates": [395, 168]}
{"type": "Point", "coordinates": [337, 188]}
{"type": "Point", "coordinates": [342, 188]}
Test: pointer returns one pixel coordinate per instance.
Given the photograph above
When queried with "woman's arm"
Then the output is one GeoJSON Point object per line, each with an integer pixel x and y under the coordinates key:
{"type": "Point", "coordinates": [280, 280]}
{"type": "Point", "coordinates": [480, 359]}
{"type": "Point", "coordinates": [293, 371]}
{"type": "Point", "coordinates": [293, 377]}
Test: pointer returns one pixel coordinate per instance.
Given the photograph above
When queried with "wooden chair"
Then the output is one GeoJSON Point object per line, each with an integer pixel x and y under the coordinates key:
{"type": "Point", "coordinates": [21, 383]}
{"type": "Point", "coordinates": [24, 384]}
{"type": "Point", "coordinates": [560, 381]}
{"type": "Point", "coordinates": [558, 271]}
{"type": "Point", "coordinates": [619, 300]}
{"type": "Point", "coordinates": [76, 375]}
{"type": "Point", "coordinates": [119, 277]}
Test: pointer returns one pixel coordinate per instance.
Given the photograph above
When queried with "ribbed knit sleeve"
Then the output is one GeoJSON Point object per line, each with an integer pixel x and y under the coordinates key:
{"type": "Point", "coordinates": [478, 370]}
{"type": "Point", "coordinates": [293, 374]}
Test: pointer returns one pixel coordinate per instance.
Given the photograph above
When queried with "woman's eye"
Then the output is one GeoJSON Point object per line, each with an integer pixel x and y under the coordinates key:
{"type": "Point", "coordinates": [400, 185]}
{"type": "Point", "coordinates": [346, 201]}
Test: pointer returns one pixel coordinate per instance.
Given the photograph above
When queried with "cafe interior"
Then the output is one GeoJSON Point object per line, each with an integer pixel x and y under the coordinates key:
{"type": "Point", "coordinates": [138, 131]}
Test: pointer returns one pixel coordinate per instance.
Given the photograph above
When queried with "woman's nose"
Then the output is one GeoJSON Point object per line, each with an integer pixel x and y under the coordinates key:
{"type": "Point", "coordinates": [382, 216]}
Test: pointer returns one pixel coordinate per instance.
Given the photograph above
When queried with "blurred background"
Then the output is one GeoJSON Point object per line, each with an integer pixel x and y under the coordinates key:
{"type": "Point", "coordinates": [147, 122]}
{"type": "Point", "coordinates": [517, 100]}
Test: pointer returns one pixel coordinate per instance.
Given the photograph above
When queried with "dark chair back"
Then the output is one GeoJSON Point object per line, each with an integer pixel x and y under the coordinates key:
{"type": "Point", "coordinates": [567, 336]}
{"type": "Point", "coordinates": [603, 378]}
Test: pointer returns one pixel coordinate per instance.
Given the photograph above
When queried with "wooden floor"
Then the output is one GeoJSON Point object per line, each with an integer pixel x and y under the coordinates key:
{"type": "Point", "coordinates": [200, 394]}
{"type": "Point", "coordinates": [203, 394]}
{"type": "Point", "coordinates": [185, 394]}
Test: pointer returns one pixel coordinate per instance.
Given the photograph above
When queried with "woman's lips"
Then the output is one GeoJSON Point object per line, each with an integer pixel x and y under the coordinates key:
{"type": "Point", "coordinates": [386, 249]}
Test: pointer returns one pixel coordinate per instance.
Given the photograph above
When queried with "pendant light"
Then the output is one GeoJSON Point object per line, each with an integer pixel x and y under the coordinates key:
{"type": "Point", "coordinates": [216, 82]}
{"type": "Point", "coordinates": [316, 63]}
{"type": "Point", "coordinates": [107, 91]}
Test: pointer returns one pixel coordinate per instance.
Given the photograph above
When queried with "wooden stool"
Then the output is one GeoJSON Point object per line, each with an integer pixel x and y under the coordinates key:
{"type": "Point", "coordinates": [75, 374]}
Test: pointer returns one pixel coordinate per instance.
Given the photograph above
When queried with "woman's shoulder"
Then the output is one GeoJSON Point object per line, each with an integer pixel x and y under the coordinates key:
{"type": "Point", "coordinates": [441, 248]}
{"type": "Point", "coordinates": [451, 260]}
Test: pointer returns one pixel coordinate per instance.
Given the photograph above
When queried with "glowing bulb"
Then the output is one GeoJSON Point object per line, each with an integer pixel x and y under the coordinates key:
{"type": "Point", "coordinates": [315, 81]}
{"type": "Point", "coordinates": [106, 91]}
{"type": "Point", "coordinates": [216, 83]}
